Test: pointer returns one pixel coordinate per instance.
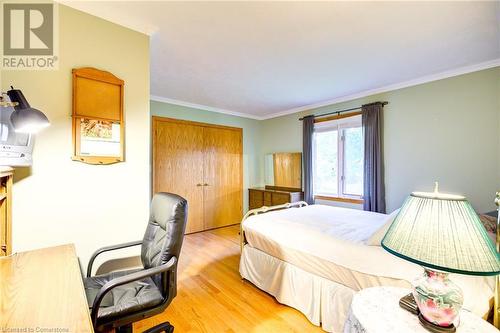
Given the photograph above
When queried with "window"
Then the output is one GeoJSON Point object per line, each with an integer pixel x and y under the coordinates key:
{"type": "Point", "coordinates": [338, 158]}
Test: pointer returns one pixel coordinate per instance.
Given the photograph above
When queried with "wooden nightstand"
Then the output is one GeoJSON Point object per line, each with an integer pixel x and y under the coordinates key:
{"type": "Point", "coordinates": [377, 310]}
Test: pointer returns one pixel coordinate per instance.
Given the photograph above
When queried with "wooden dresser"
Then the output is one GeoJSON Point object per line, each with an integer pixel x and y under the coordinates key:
{"type": "Point", "coordinates": [271, 196]}
{"type": "Point", "coordinates": [5, 210]}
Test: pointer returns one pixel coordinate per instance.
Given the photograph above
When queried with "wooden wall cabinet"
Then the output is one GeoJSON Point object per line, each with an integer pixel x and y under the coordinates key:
{"type": "Point", "coordinates": [265, 196]}
{"type": "Point", "coordinates": [204, 164]}
{"type": "Point", "coordinates": [98, 121]}
{"type": "Point", "coordinates": [6, 176]}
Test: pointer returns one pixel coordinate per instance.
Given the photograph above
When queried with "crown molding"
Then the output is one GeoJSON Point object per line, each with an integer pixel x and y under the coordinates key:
{"type": "Point", "coordinates": [203, 107]}
{"type": "Point", "coordinates": [391, 87]}
{"type": "Point", "coordinates": [424, 79]}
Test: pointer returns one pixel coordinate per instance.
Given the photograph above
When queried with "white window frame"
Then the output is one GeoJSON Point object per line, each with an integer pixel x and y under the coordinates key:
{"type": "Point", "coordinates": [340, 125]}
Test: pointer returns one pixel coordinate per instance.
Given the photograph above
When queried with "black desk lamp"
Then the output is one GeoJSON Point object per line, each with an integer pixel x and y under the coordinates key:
{"type": "Point", "coordinates": [25, 119]}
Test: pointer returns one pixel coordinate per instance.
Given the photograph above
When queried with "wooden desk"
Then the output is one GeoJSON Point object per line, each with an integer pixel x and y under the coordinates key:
{"type": "Point", "coordinates": [43, 289]}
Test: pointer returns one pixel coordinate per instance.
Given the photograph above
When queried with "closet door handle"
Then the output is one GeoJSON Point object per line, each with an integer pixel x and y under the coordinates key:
{"type": "Point", "coordinates": [206, 184]}
{"type": "Point", "coordinates": [199, 185]}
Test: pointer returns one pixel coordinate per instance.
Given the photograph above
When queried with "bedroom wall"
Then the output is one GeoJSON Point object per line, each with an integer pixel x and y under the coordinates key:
{"type": "Point", "coordinates": [498, 103]}
{"type": "Point", "coordinates": [60, 201]}
{"type": "Point", "coordinates": [251, 137]}
{"type": "Point", "coordinates": [446, 130]}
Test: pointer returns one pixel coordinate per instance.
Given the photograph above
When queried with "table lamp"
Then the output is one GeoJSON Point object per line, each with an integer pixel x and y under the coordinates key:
{"type": "Point", "coordinates": [442, 233]}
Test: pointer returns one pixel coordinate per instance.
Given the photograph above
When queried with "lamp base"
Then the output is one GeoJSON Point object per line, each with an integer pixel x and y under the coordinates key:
{"type": "Point", "coordinates": [408, 303]}
{"type": "Point", "coordinates": [438, 298]}
{"type": "Point", "coordinates": [435, 328]}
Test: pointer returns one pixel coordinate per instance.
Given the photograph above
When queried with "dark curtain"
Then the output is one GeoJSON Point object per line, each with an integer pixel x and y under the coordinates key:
{"type": "Point", "coordinates": [307, 138]}
{"type": "Point", "coordinates": [374, 190]}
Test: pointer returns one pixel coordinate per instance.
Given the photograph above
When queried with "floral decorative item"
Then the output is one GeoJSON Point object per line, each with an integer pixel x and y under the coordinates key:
{"type": "Point", "coordinates": [438, 298]}
{"type": "Point", "coordinates": [442, 233]}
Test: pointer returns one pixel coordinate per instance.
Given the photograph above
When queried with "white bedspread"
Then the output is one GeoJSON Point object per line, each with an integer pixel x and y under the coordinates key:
{"type": "Point", "coordinates": [324, 239]}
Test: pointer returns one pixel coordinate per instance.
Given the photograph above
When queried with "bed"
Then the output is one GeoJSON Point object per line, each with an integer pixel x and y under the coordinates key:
{"type": "Point", "coordinates": [315, 258]}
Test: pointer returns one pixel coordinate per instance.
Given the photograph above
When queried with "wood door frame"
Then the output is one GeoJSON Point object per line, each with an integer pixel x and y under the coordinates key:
{"type": "Point", "coordinates": [156, 119]}
{"type": "Point", "coordinates": [195, 123]}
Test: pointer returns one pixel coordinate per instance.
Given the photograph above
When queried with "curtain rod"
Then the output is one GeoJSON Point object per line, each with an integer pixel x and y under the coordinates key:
{"type": "Point", "coordinates": [345, 110]}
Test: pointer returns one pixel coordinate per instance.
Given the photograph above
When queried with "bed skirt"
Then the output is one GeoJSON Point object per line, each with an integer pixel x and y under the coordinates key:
{"type": "Point", "coordinates": [324, 302]}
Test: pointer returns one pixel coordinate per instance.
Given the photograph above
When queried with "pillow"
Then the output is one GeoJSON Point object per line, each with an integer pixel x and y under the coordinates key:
{"type": "Point", "coordinates": [489, 223]}
{"type": "Point", "coordinates": [376, 238]}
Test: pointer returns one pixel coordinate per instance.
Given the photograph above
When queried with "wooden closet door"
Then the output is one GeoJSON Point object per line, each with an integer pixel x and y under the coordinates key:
{"type": "Point", "coordinates": [178, 165]}
{"type": "Point", "coordinates": [223, 190]}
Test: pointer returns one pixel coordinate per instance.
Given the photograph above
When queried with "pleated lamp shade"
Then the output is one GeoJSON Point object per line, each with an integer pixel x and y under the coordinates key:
{"type": "Point", "coordinates": [442, 232]}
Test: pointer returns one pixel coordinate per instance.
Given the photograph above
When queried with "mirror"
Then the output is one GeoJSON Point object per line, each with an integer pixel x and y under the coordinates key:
{"type": "Point", "coordinates": [283, 170]}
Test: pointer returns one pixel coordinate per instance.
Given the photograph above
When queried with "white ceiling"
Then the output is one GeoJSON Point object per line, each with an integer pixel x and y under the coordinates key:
{"type": "Point", "coordinates": [262, 59]}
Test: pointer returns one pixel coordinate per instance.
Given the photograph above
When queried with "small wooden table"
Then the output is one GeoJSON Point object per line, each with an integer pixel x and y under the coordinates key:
{"type": "Point", "coordinates": [42, 291]}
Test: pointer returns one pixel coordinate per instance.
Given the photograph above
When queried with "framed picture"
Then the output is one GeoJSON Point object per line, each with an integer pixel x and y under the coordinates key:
{"type": "Point", "coordinates": [98, 127]}
{"type": "Point", "coordinates": [99, 138]}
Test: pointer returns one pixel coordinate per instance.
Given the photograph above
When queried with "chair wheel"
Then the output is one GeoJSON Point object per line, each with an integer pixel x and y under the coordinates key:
{"type": "Point", "coordinates": [164, 327]}
{"type": "Point", "coordinates": [124, 329]}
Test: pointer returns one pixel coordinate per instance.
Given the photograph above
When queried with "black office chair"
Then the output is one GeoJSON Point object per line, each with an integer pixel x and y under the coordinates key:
{"type": "Point", "coordinates": [120, 298]}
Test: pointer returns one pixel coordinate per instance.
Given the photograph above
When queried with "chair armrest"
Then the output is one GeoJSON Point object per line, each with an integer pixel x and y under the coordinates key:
{"type": "Point", "coordinates": [109, 248]}
{"type": "Point", "coordinates": [127, 279]}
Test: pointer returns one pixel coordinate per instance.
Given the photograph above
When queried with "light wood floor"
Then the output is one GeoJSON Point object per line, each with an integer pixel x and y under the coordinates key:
{"type": "Point", "coordinates": [212, 297]}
